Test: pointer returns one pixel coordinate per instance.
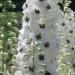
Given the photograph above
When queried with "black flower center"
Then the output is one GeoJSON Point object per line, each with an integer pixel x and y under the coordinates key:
{"type": "Point", "coordinates": [37, 11]}
{"type": "Point", "coordinates": [72, 48]}
{"type": "Point", "coordinates": [41, 56]}
{"type": "Point", "coordinates": [27, 19]}
{"type": "Point", "coordinates": [73, 65]}
{"type": "Point", "coordinates": [48, 6]}
{"type": "Point", "coordinates": [63, 24]}
{"type": "Point", "coordinates": [41, 0]}
{"type": "Point", "coordinates": [71, 31]}
{"type": "Point", "coordinates": [47, 73]}
{"type": "Point", "coordinates": [68, 41]}
{"type": "Point", "coordinates": [46, 44]}
{"type": "Point", "coordinates": [31, 69]}
{"type": "Point", "coordinates": [38, 36]}
{"type": "Point", "coordinates": [42, 26]}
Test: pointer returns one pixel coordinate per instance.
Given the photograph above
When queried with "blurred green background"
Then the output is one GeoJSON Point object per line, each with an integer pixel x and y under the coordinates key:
{"type": "Point", "coordinates": [10, 24]}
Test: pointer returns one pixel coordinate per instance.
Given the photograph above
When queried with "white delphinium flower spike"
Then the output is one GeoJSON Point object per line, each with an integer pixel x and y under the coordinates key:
{"type": "Point", "coordinates": [66, 31]}
{"type": "Point", "coordinates": [38, 40]}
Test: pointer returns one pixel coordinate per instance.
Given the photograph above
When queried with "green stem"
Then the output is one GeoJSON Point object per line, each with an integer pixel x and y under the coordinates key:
{"type": "Point", "coordinates": [33, 60]}
{"type": "Point", "coordinates": [4, 39]}
{"type": "Point", "coordinates": [33, 51]}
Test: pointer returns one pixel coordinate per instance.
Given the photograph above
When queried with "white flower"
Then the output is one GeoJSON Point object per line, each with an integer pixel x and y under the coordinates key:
{"type": "Point", "coordinates": [1, 5]}
{"type": "Point", "coordinates": [19, 57]}
{"type": "Point", "coordinates": [9, 23]}
{"type": "Point", "coordinates": [18, 73]}
{"type": "Point", "coordinates": [9, 1]}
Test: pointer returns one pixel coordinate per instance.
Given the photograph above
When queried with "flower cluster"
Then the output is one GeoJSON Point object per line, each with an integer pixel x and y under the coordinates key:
{"type": "Point", "coordinates": [38, 44]}
{"type": "Point", "coordinates": [66, 31]}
